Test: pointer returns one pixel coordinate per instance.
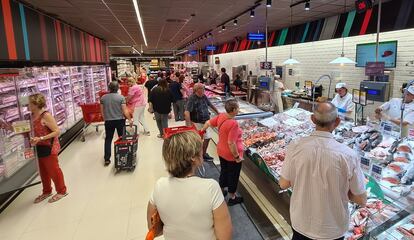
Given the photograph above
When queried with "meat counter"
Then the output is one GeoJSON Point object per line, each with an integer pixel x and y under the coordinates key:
{"type": "Point", "coordinates": [384, 159]}
{"type": "Point", "coordinates": [64, 88]}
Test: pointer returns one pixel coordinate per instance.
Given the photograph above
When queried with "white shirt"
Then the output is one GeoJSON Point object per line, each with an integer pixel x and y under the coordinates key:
{"type": "Point", "coordinates": [346, 103]}
{"type": "Point", "coordinates": [321, 172]}
{"type": "Point", "coordinates": [393, 109]}
{"type": "Point", "coordinates": [186, 206]}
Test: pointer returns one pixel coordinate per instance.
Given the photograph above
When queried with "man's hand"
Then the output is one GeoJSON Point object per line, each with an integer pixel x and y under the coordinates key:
{"type": "Point", "coordinates": [378, 111]}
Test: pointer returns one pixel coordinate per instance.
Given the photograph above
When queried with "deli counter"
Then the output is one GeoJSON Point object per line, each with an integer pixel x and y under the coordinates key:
{"type": "Point", "coordinates": [388, 164]}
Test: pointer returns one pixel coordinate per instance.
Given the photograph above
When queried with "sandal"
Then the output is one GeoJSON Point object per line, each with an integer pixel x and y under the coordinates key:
{"type": "Point", "coordinates": [57, 197]}
{"type": "Point", "coordinates": [42, 197]}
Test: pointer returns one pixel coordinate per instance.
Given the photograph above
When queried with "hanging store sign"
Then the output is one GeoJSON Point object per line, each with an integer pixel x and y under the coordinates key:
{"type": "Point", "coordinates": [211, 48]}
{"type": "Point", "coordinates": [256, 36]}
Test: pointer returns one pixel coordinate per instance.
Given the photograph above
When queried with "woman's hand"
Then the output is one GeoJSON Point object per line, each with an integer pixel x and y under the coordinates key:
{"type": "Point", "coordinates": [34, 141]}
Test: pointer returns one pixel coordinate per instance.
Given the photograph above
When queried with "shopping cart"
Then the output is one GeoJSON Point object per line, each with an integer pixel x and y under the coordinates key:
{"type": "Point", "coordinates": [124, 89]}
{"type": "Point", "coordinates": [168, 132]}
{"type": "Point", "coordinates": [126, 148]}
{"type": "Point", "coordinates": [91, 114]}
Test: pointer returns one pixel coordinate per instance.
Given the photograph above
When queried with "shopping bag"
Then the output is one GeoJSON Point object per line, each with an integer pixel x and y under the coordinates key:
{"type": "Point", "coordinates": [156, 227]}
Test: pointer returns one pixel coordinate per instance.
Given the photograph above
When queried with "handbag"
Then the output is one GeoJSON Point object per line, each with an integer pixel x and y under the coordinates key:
{"type": "Point", "coordinates": [44, 150]}
{"type": "Point", "coordinates": [156, 227]}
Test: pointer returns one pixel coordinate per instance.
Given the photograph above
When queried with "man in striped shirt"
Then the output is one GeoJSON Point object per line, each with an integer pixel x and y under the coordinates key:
{"type": "Point", "coordinates": [324, 176]}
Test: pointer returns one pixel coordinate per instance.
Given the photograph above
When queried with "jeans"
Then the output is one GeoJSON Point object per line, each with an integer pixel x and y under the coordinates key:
{"type": "Point", "coordinates": [298, 236]}
{"type": "Point", "coordinates": [162, 121]}
{"type": "Point", "coordinates": [178, 107]}
{"type": "Point", "coordinates": [110, 127]}
{"type": "Point", "coordinates": [141, 119]}
{"type": "Point", "coordinates": [229, 174]}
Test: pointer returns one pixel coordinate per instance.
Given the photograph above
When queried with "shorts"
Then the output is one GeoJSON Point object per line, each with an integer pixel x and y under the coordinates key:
{"type": "Point", "coordinates": [199, 126]}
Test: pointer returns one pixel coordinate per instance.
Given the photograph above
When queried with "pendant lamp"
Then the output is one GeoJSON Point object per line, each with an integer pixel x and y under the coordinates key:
{"type": "Point", "coordinates": [291, 60]}
{"type": "Point", "coordinates": [342, 60]}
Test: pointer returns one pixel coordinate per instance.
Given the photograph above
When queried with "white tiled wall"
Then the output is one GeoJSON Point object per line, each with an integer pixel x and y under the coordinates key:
{"type": "Point", "coordinates": [314, 58]}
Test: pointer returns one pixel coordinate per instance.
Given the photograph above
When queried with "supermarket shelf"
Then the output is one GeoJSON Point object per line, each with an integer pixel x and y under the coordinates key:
{"type": "Point", "coordinates": [8, 104]}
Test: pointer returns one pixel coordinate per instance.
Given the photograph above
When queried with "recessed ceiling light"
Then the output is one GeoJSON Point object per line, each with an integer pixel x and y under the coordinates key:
{"type": "Point", "coordinates": [223, 28]}
{"type": "Point", "coordinates": [252, 13]}
{"type": "Point", "coordinates": [140, 20]}
{"type": "Point", "coordinates": [307, 6]}
{"type": "Point", "coordinates": [235, 22]}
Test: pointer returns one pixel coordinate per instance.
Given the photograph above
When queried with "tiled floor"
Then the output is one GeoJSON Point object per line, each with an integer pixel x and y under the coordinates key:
{"type": "Point", "coordinates": [100, 205]}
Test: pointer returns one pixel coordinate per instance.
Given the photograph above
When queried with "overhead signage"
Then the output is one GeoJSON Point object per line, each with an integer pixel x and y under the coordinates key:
{"type": "Point", "coordinates": [211, 48]}
{"type": "Point", "coordinates": [193, 52]}
{"type": "Point", "coordinates": [256, 36]}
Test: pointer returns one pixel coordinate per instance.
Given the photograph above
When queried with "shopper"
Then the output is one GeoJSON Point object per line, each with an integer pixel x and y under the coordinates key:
{"type": "Point", "coordinates": [229, 149]}
{"type": "Point", "coordinates": [197, 114]}
{"type": "Point", "coordinates": [150, 84]}
{"type": "Point", "coordinates": [178, 105]}
{"type": "Point", "coordinates": [168, 77]}
{"type": "Point", "coordinates": [238, 82]}
{"type": "Point", "coordinates": [160, 101]}
{"type": "Point", "coordinates": [136, 100]}
{"type": "Point", "coordinates": [343, 101]}
{"type": "Point", "coordinates": [114, 109]}
{"type": "Point", "coordinates": [46, 138]}
{"type": "Point", "coordinates": [324, 175]}
{"type": "Point", "coordinates": [190, 207]}
{"type": "Point", "coordinates": [225, 79]}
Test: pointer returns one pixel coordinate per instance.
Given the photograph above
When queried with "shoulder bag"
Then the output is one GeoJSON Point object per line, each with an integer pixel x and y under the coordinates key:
{"type": "Point", "coordinates": [44, 150]}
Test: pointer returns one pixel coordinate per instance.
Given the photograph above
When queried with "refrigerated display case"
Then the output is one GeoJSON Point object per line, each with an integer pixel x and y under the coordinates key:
{"type": "Point", "coordinates": [384, 160]}
{"type": "Point", "coordinates": [247, 110]}
{"type": "Point", "coordinates": [64, 89]}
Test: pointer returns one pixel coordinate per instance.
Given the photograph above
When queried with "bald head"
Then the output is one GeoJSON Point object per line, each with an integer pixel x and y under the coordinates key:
{"type": "Point", "coordinates": [325, 115]}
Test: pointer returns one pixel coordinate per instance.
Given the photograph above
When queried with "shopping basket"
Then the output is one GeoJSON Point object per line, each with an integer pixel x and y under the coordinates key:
{"type": "Point", "coordinates": [126, 148]}
{"type": "Point", "coordinates": [91, 114]}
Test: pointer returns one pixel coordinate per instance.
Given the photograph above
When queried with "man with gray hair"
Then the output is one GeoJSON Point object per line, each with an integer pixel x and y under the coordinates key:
{"type": "Point", "coordinates": [114, 110]}
{"type": "Point", "coordinates": [324, 176]}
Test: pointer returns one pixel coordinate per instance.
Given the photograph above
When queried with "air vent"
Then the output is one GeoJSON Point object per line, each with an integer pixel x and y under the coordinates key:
{"type": "Point", "coordinates": [176, 20]}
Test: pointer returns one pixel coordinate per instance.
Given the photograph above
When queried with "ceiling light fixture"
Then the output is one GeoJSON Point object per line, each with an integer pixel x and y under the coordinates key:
{"type": "Point", "coordinates": [252, 13]}
{"type": "Point", "coordinates": [342, 60]}
{"type": "Point", "coordinates": [223, 28]}
{"type": "Point", "coordinates": [307, 6]}
{"type": "Point", "coordinates": [291, 60]}
{"type": "Point", "coordinates": [140, 20]}
{"type": "Point", "coordinates": [268, 3]}
{"type": "Point", "coordinates": [235, 22]}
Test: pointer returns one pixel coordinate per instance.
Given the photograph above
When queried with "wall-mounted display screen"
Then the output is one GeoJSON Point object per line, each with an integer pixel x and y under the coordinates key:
{"type": "Point", "coordinates": [367, 53]}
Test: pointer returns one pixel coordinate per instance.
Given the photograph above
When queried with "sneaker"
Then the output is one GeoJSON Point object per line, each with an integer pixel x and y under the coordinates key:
{"type": "Point", "coordinates": [208, 158]}
{"type": "Point", "coordinates": [225, 192]}
{"type": "Point", "coordinates": [234, 201]}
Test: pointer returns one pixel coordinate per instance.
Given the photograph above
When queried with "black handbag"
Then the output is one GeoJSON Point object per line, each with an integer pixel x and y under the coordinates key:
{"type": "Point", "coordinates": [43, 150]}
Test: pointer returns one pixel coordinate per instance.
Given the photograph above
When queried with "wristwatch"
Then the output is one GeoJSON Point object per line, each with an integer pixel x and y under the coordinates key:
{"type": "Point", "coordinates": [42, 138]}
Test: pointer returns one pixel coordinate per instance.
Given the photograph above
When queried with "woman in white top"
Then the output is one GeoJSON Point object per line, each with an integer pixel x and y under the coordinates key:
{"type": "Point", "coordinates": [189, 207]}
{"type": "Point", "coordinates": [343, 101]}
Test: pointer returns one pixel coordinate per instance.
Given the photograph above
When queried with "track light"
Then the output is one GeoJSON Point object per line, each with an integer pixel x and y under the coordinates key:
{"type": "Point", "coordinates": [268, 3]}
{"type": "Point", "coordinates": [223, 28]}
{"type": "Point", "coordinates": [252, 13]}
{"type": "Point", "coordinates": [307, 6]}
{"type": "Point", "coordinates": [210, 34]}
{"type": "Point", "coordinates": [235, 22]}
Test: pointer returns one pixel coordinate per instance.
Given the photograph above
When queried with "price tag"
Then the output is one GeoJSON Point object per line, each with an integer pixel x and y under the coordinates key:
{"type": "Point", "coordinates": [365, 164]}
{"type": "Point", "coordinates": [376, 172]}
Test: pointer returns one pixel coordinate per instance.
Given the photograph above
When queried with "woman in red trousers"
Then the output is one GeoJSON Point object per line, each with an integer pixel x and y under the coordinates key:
{"type": "Point", "coordinates": [46, 133]}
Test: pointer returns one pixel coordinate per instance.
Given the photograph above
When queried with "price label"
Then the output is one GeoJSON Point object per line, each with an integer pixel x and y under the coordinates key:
{"type": "Point", "coordinates": [365, 164]}
{"type": "Point", "coordinates": [376, 172]}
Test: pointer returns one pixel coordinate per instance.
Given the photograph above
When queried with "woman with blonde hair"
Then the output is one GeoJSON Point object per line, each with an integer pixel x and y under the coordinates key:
{"type": "Point", "coordinates": [136, 100]}
{"type": "Point", "coordinates": [46, 133]}
{"type": "Point", "coordinates": [190, 207]}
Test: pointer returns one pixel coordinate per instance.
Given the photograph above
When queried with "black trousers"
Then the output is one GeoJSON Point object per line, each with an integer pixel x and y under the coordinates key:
{"type": "Point", "coordinates": [229, 174]}
{"type": "Point", "coordinates": [298, 236]}
{"type": "Point", "coordinates": [110, 127]}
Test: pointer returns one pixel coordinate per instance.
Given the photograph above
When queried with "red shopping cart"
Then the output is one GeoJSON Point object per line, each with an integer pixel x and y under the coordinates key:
{"type": "Point", "coordinates": [168, 132]}
{"type": "Point", "coordinates": [91, 114]}
{"type": "Point", "coordinates": [124, 89]}
{"type": "Point", "coordinates": [126, 148]}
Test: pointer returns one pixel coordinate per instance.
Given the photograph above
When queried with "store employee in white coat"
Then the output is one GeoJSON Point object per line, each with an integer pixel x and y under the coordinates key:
{"type": "Point", "coordinates": [343, 101]}
{"type": "Point", "coordinates": [391, 110]}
